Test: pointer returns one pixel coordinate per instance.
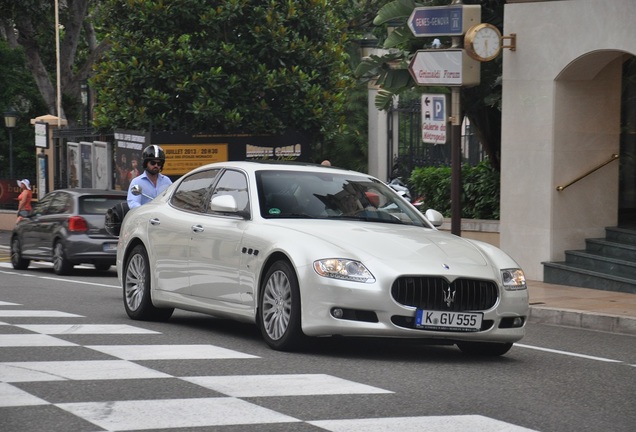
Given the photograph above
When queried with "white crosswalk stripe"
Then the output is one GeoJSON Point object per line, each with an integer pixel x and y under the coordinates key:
{"type": "Point", "coordinates": [168, 352]}
{"type": "Point", "coordinates": [174, 413]}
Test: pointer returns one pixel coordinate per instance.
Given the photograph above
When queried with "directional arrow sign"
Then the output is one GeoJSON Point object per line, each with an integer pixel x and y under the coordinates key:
{"type": "Point", "coordinates": [444, 20]}
{"type": "Point", "coordinates": [434, 118]}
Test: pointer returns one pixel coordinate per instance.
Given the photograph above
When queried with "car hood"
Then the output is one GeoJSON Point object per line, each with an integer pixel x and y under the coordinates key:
{"type": "Point", "coordinates": [389, 242]}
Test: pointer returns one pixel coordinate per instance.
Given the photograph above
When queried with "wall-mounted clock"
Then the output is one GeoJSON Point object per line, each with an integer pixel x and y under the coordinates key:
{"type": "Point", "coordinates": [483, 42]}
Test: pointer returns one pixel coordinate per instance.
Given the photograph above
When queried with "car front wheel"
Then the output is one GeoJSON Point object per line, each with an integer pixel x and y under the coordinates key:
{"type": "Point", "coordinates": [17, 261]}
{"type": "Point", "coordinates": [61, 264]}
{"type": "Point", "coordinates": [136, 280]}
{"type": "Point", "coordinates": [279, 308]}
{"type": "Point", "coordinates": [490, 349]}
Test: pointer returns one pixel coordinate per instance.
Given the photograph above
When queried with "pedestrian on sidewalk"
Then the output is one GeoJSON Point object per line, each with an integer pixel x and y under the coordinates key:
{"type": "Point", "coordinates": [24, 199]}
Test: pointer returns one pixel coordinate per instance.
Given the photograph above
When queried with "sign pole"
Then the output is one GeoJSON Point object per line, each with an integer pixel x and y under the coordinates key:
{"type": "Point", "coordinates": [456, 162]}
{"type": "Point", "coordinates": [439, 67]}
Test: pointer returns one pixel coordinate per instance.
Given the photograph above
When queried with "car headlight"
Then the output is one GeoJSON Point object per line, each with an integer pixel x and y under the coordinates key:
{"type": "Point", "coordinates": [345, 269]}
{"type": "Point", "coordinates": [513, 279]}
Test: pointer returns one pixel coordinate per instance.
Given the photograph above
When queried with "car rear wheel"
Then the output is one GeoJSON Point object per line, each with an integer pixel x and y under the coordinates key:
{"type": "Point", "coordinates": [17, 261]}
{"type": "Point", "coordinates": [136, 280]}
{"type": "Point", "coordinates": [61, 264]}
{"type": "Point", "coordinates": [279, 308]}
{"type": "Point", "coordinates": [484, 348]}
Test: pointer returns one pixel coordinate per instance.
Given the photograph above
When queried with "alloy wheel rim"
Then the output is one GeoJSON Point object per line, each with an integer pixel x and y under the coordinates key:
{"type": "Point", "coordinates": [277, 305]}
{"type": "Point", "coordinates": [135, 282]}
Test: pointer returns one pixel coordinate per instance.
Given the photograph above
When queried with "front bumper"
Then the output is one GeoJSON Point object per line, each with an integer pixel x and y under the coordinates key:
{"type": "Point", "coordinates": [371, 311]}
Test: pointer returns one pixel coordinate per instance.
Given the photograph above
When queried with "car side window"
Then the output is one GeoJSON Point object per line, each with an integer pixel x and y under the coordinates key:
{"type": "Point", "coordinates": [193, 190]}
{"type": "Point", "coordinates": [40, 208]}
{"type": "Point", "coordinates": [233, 183]}
{"type": "Point", "coordinates": [61, 203]}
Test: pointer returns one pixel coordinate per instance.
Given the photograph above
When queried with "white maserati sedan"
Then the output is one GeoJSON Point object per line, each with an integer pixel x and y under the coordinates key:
{"type": "Point", "coordinates": [309, 251]}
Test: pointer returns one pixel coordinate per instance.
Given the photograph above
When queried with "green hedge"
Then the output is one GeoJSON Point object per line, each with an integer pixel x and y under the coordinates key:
{"type": "Point", "coordinates": [480, 190]}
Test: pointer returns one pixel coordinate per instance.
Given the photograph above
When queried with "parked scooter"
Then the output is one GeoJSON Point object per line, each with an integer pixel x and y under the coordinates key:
{"type": "Point", "coordinates": [402, 189]}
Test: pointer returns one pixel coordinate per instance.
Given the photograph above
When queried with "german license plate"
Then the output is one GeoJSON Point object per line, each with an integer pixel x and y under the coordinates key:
{"type": "Point", "coordinates": [448, 321]}
{"type": "Point", "coordinates": [110, 247]}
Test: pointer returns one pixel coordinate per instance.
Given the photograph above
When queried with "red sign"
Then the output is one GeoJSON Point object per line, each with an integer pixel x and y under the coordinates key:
{"type": "Point", "coordinates": [9, 191]}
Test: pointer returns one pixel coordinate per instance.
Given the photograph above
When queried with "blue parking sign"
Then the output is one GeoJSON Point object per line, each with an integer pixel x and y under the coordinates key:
{"type": "Point", "coordinates": [439, 111]}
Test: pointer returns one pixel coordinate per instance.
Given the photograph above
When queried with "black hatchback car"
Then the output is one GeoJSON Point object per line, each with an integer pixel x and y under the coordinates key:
{"type": "Point", "coordinates": [66, 227]}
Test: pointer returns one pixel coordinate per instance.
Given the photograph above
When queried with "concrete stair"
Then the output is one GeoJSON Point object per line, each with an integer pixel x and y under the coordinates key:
{"type": "Point", "coordinates": [607, 263]}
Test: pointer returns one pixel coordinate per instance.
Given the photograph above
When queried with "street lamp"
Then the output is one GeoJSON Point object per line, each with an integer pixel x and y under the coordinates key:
{"type": "Point", "coordinates": [10, 118]}
{"type": "Point", "coordinates": [367, 44]}
{"type": "Point", "coordinates": [85, 102]}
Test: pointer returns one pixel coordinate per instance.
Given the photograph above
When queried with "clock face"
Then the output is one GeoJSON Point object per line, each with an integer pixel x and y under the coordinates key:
{"type": "Point", "coordinates": [483, 42]}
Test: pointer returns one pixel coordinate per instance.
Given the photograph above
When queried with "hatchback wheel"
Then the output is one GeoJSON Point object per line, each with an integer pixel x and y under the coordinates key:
{"type": "Point", "coordinates": [137, 297]}
{"type": "Point", "coordinates": [17, 261]}
{"type": "Point", "coordinates": [279, 308]}
{"type": "Point", "coordinates": [61, 264]}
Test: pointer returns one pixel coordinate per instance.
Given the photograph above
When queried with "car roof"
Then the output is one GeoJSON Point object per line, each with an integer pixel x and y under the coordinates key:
{"type": "Point", "coordinates": [258, 165]}
{"type": "Point", "coordinates": [88, 191]}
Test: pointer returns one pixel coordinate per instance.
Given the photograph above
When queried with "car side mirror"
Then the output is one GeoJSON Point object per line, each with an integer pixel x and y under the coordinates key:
{"type": "Point", "coordinates": [135, 190]}
{"type": "Point", "coordinates": [434, 217]}
{"type": "Point", "coordinates": [224, 204]}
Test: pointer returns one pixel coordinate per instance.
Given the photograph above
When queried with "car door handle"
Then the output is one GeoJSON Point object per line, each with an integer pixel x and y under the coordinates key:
{"type": "Point", "coordinates": [155, 221]}
{"type": "Point", "coordinates": [197, 228]}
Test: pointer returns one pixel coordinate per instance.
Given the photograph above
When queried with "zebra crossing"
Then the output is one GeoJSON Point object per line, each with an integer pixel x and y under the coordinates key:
{"type": "Point", "coordinates": [52, 392]}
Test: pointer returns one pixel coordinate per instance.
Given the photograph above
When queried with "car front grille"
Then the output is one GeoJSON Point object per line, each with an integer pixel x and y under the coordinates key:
{"type": "Point", "coordinates": [436, 293]}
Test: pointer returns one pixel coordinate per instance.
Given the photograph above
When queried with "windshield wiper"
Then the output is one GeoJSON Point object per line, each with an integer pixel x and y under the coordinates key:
{"type": "Point", "coordinates": [368, 219]}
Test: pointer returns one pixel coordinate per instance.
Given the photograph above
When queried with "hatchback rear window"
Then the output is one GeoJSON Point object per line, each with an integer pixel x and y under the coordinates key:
{"type": "Point", "coordinates": [98, 204]}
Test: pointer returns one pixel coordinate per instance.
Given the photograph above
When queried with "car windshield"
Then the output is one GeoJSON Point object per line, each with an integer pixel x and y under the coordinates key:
{"type": "Point", "coordinates": [319, 195]}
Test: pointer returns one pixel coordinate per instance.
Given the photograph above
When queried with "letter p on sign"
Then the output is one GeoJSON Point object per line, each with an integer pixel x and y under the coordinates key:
{"type": "Point", "coordinates": [439, 109]}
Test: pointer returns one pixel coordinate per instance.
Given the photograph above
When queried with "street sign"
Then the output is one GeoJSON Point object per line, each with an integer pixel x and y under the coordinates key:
{"type": "Point", "coordinates": [451, 67]}
{"type": "Point", "coordinates": [434, 118]}
{"type": "Point", "coordinates": [452, 20]}
{"type": "Point", "coordinates": [42, 134]}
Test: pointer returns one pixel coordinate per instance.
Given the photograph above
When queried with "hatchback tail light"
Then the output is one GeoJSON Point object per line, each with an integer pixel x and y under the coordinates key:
{"type": "Point", "coordinates": [77, 224]}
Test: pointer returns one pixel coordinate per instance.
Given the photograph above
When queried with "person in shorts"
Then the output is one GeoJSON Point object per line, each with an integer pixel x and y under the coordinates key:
{"type": "Point", "coordinates": [24, 199]}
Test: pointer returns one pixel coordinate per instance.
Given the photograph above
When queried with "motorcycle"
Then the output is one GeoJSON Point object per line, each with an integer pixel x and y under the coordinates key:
{"type": "Point", "coordinates": [402, 189]}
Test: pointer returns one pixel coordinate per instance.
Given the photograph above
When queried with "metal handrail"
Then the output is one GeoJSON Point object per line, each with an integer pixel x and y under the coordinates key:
{"type": "Point", "coordinates": [613, 158]}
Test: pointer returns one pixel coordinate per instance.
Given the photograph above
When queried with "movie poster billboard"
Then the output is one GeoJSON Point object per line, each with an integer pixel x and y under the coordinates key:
{"type": "Point", "coordinates": [73, 164]}
{"type": "Point", "coordinates": [86, 156]}
{"type": "Point", "coordinates": [128, 148]}
{"type": "Point", "coordinates": [101, 165]}
{"type": "Point", "coordinates": [185, 151]}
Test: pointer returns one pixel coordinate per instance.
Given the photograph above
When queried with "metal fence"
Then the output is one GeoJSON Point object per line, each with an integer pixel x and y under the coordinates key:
{"type": "Point", "coordinates": [406, 118]}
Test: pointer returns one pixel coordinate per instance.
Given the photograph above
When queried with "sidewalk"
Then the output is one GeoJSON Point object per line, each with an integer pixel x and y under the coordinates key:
{"type": "Point", "coordinates": [555, 304]}
{"type": "Point", "coordinates": [582, 307]}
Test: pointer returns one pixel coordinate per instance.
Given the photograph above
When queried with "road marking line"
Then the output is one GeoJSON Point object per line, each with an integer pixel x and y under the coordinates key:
{"type": "Point", "coordinates": [568, 353]}
{"type": "Point", "coordinates": [59, 279]}
{"type": "Point", "coordinates": [174, 413]}
{"type": "Point", "coordinates": [242, 386]}
{"type": "Point", "coordinates": [456, 423]}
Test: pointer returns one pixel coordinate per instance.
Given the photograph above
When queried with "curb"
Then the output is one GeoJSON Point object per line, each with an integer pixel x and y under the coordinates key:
{"type": "Point", "coordinates": [584, 320]}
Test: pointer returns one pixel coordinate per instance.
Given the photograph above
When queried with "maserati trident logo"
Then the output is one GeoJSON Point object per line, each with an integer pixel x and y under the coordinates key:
{"type": "Point", "coordinates": [449, 296]}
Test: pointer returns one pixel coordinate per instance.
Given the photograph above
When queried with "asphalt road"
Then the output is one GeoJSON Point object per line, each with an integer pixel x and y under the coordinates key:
{"type": "Point", "coordinates": [70, 359]}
